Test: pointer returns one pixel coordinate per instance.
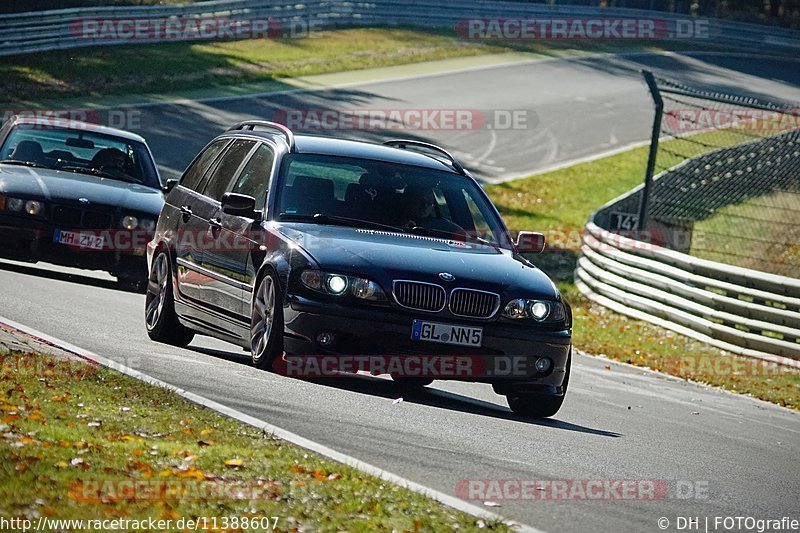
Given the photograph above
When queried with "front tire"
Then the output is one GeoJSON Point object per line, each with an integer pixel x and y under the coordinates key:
{"type": "Point", "coordinates": [412, 383]}
{"type": "Point", "coordinates": [540, 405]}
{"type": "Point", "coordinates": [132, 283]}
{"type": "Point", "coordinates": [534, 405]}
{"type": "Point", "coordinates": [266, 323]}
{"type": "Point", "coordinates": [159, 307]}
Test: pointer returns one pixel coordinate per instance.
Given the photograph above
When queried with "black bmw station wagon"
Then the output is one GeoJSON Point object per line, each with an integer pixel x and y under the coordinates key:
{"type": "Point", "coordinates": [320, 254]}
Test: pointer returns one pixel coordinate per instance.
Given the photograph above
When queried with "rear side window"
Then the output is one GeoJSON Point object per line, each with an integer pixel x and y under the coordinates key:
{"type": "Point", "coordinates": [254, 180]}
{"type": "Point", "coordinates": [231, 161]}
{"type": "Point", "coordinates": [194, 174]}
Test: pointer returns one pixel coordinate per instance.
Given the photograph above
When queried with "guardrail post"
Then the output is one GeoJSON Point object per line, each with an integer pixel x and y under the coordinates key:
{"type": "Point", "coordinates": [651, 158]}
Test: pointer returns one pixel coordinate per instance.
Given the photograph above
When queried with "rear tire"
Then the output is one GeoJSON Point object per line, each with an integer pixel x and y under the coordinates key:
{"type": "Point", "coordinates": [159, 308]}
{"type": "Point", "coordinates": [266, 323]}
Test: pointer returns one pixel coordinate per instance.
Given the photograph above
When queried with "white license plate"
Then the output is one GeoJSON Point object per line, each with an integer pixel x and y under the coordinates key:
{"type": "Point", "coordinates": [79, 239]}
{"type": "Point", "coordinates": [422, 330]}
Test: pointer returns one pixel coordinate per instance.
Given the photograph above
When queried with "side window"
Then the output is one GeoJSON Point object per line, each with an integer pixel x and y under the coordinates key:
{"type": "Point", "coordinates": [218, 182]}
{"type": "Point", "coordinates": [254, 180]}
{"type": "Point", "coordinates": [194, 174]}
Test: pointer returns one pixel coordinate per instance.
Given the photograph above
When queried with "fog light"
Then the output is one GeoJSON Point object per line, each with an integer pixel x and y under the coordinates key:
{"type": "Point", "coordinates": [326, 338]}
{"type": "Point", "coordinates": [538, 310]}
{"type": "Point", "coordinates": [542, 364]}
{"type": "Point", "coordinates": [336, 284]}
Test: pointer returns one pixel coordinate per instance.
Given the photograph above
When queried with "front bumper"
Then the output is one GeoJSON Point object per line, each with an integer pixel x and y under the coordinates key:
{"type": "Point", "coordinates": [506, 357]}
{"type": "Point", "coordinates": [31, 240]}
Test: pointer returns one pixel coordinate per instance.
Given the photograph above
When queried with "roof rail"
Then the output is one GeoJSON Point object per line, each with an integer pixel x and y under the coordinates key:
{"type": "Point", "coordinates": [403, 143]}
{"type": "Point", "coordinates": [280, 128]}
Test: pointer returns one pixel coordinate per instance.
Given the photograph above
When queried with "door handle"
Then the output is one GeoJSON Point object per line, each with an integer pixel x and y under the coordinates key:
{"type": "Point", "coordinates": [215, 223]}
{"type": "Point", "coordinates": [186, 211]}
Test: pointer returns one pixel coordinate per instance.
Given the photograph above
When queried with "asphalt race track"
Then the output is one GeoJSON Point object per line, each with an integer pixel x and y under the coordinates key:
{"type": "Point", "coordinates": [617, 423]}
{"type": "Point", "coordinates": [572, 108]}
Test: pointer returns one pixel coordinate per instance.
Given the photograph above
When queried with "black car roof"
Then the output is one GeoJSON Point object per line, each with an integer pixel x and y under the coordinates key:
{"type": "Point", "coordinates": [53, 122]}
{"type": "Point", "coordinates": [319, 145]}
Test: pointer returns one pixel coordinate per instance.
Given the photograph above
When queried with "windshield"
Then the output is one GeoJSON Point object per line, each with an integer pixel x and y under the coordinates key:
{"type": "Point", "coordinates": [374, 194]}
{"type": "Point", "coordinates": [82, 151]}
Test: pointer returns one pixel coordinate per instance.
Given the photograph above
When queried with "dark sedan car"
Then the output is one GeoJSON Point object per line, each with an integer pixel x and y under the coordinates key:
{"type": "Point", "coordinates": [77, 194]}
{"type": "Point", "coordinates": [323, 256]}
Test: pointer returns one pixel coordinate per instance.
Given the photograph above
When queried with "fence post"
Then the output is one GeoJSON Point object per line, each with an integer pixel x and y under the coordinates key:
{"type": "Point", "coordinates": [651, 158]}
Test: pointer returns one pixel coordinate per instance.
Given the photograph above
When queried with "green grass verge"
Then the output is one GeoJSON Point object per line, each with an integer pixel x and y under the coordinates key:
{"type": "Point", "coordinates": [169, 67]}
{"type": "Point", "coordinates": [761, 233]}
{"type": "Point", "coordinates": [560, 203]}
{"type": "Point", "coordinates": [81, 442]}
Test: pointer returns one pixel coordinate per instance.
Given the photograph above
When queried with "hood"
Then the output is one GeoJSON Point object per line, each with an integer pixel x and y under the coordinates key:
{"type": "Point", "coordinates": [55, 185]}
{"type": "Point", "coordinates": [387, 256]}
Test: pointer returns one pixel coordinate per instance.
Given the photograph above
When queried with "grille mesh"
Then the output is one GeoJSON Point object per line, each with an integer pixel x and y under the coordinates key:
{"type": "Point", "coordinates": [83, 218]}
{"type": "Point", "coordinates": [419, 296]}
{"type": "Point", "coordinates": [475, 304]}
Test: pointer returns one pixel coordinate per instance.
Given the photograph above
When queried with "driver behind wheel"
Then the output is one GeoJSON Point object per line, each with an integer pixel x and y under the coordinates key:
{"type": "Point", "coordinates": [418, 210]}
{"type": "Point", "coordinates": [111, 159]}
{"type": "Point", "coordinates": [417, 206]}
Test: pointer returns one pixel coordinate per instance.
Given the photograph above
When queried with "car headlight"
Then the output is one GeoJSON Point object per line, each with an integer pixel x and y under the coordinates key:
{"type": "Point", "coordinates": [15, 204]}
{"type": "Point", "coordinates": [539, 310]}
{"type": "Point", "coordinates": [341, 285]}
{"type": "Point", "coordinates": [18, 205]}
{"type": "Point", "coordinates": [147, 224]}
{"type": "Point", "coordinates": [336, 284]}
{"type": "Point", "coordinates": [33, 207]}
{"type": "Point", "coordinates": [129, 222]}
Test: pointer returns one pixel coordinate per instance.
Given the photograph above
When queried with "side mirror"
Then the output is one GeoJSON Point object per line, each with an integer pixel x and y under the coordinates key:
{"type": "Point", "coordinates": [240, 205]}
{"type": "Point", "coordinates": [530, 242]}
{"type": "Point", "coordinates": [169, 185]}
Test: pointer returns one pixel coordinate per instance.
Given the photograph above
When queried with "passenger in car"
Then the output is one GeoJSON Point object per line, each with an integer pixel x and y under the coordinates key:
{"type": "Point", "coordinates": [29, 151]}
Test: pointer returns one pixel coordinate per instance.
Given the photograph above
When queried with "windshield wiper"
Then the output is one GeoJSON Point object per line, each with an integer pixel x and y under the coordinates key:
{"type": "Point", "coordinates": [432, 232]}
{"type": "Point", "coordinates": [100, 173]}
{"type": "Point", "coordinates": [23, 163]}
{"type": "Point", "coordinates": [319, 218]}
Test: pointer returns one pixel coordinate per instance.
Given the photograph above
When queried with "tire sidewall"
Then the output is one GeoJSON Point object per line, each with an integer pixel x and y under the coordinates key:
{"type": "Point", "coordinates": [274, 347]}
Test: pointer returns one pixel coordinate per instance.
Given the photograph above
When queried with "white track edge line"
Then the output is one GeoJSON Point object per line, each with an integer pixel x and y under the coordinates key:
{"type": "Point", "coordinates": [321, 449]}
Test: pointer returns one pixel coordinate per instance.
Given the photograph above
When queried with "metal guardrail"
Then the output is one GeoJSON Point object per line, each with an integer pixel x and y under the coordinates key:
{"type": "Point", "coordinates": [23, 33]}
{"type": "Point", "coordinates": [744, 311]}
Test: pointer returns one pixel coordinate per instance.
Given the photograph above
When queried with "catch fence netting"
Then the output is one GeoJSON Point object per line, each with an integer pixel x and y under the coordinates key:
{"type": "Point", "coordinates": [726, 179]}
